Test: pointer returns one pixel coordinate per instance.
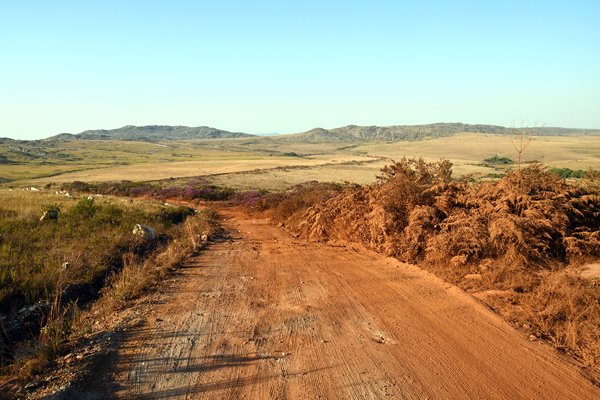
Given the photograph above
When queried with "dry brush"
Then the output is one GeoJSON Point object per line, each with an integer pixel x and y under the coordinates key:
{"type": "Point", "coordinates": [522, 236]}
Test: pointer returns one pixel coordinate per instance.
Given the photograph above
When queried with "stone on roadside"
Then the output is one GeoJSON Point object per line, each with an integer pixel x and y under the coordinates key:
{"type": "Point", "coordinates": [143, 231]}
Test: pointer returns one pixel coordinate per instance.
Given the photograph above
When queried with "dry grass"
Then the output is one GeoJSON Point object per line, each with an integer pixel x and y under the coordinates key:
{"type": "Point", "coordinates": [165, 170]}
{"type": "Point", "coordinates": [239, 158]}
{"type": "Point", "coordinates": [58, 263]}
{"type": "Point", "coordinates": [139, 274]}
{"type": "Point", "coordinates": [467, 151]}
{"type": "Point", "coordinates": [63, 157]}
{"type": "Point", "coordinates": [280, 179]}
{"type": "Point", "coordinates": [566, 310]}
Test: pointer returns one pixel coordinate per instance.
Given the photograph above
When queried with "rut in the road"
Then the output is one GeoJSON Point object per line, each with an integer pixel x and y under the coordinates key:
{"type": "Point", "coordinates": [266, 316]}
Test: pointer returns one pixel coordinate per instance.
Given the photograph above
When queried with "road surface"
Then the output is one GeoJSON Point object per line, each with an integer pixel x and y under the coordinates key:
{"type": "Point", "coordinates": [263, 315]}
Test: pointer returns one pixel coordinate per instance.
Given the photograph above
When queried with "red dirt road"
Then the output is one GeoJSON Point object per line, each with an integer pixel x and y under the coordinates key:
{"type": "Point", "coordinates": [266, 316]}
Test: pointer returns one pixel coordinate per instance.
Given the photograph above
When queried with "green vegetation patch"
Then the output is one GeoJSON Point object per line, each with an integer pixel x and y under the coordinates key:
{"type": "Point", "coordinates": [497, 160]}
{"type": "Point", "coordinates": [50, 244]}
{"type": "Point", "coordinates": [569, 173]}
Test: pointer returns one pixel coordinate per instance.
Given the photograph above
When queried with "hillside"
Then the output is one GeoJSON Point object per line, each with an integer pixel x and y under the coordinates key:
{"type": "Point", "coordinates": [345, 134]}
{"type": "Point", "coordinates": [152, 133]}
{"type": "Point", "coordinates": [353, 133]}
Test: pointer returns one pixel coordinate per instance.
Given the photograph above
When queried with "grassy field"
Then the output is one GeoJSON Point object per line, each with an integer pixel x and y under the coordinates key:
{"type": "Point", "coordinates": [30, 160]}
{"type": "Point", "coordinates": [87, 234]}
{"type": "Point", "coordinates": [51, 270]}
{"type": "Point", "coordinates": [467, 151]}
{"type": "Point", "coordinates": [283, 178]}
{"type": "Point", "coordinates": [226, 164]}
{"type": "Point", "coordinates": [35, 161]}
{"type": "Point", "coordinates": [272, 164]}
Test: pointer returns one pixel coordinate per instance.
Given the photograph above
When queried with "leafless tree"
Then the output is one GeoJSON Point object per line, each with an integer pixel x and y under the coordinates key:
{"type": "Point", "coordinates": [520, 141]}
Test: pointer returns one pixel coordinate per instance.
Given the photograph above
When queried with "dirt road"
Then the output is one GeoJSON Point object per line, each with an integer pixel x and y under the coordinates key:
{"type": "Point", "coordinates": [266, 316]}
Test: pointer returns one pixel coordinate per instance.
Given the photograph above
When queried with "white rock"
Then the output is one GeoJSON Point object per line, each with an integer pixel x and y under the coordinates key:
{"type": "Point", "coordinates": [143, 231]}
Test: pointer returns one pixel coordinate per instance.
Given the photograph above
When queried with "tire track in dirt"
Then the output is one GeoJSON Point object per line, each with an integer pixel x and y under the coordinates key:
{"type": "Point", "coordinates": [264, 315]}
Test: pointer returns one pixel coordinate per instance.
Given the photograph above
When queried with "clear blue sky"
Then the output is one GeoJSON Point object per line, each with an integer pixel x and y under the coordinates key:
{"type": "Point", "coordinates": [278, 66]}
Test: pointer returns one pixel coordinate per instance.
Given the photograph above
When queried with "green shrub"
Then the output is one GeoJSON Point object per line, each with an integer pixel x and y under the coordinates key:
{"type": "Point", "coordinates": [568, 173]}
{"type": "Point", "coordinates": [497, 160]}
{"type": "Point", "coordinates": [109, 214]}
{"type": "Point", "coordinates": [84, 209]}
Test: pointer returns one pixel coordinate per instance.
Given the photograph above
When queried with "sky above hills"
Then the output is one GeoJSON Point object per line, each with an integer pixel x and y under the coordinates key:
{"type": "Point", "coordinates": [272, 66]}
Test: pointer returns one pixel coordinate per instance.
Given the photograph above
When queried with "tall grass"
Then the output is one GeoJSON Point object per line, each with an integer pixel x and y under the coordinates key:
{"type": "Point", "coordinates": [82, 244]}
{"type": "Point", "coordinates": [68, 259]}
{"type": "Point", "coordinates": [138, 274]}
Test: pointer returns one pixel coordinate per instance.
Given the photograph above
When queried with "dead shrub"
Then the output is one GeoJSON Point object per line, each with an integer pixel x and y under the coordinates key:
{"type": "Point", "coordinates": [566, 309]}
{"type": "Point", "coordinates": [459, 235]}
{"type": "Point", "coordinates": [531, 217]}
{"type": "Point", "coordinates": [519, 234]}
{"type": "Point", "coordinates": [300, 198]}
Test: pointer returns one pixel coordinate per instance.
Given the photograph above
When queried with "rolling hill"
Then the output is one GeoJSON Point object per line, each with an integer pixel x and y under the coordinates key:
{"type": "Point", "coordinates": [353, 133]}
{"type": "Point", "coordinates": [349, 133]}
{"type": "Point", "coordinates": [152, 133]}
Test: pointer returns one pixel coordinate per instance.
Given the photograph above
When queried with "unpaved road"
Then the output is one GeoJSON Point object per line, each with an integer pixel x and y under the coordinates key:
{"type": "Point", "coordinates": [266, 316]}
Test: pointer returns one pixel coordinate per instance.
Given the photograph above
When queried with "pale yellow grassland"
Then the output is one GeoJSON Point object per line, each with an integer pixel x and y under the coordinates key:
{"type": "Point", "coordinates": [235, 162]}
{"type": "Point", "coordinates": [467, 149]}
{"type": "Point", "coordinates": [281, 179]}
{"type": "Point", "coordinates": [157, 171]}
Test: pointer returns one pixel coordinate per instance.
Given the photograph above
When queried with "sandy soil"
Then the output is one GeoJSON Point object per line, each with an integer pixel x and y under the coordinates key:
{"type": "Point", "coordinates": [265, 316]}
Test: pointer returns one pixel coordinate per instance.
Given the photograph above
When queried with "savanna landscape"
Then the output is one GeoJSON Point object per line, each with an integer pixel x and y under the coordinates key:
{"type": "Point", "coordinates": [299, 200]}
{"type": "Point", "coordinates": [309, 244]}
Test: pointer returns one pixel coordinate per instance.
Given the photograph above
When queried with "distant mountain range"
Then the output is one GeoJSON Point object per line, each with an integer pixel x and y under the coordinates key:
{"type": "Point", "coordinates": [152, 133]}
{"type": "Point", "coordinates": [353, 133]}
{"type": "Point", "coordinates": [350, 133]}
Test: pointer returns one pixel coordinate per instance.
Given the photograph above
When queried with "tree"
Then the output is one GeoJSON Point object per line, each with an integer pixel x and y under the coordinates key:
{"type": "Point", "coordinates": [520, 141]}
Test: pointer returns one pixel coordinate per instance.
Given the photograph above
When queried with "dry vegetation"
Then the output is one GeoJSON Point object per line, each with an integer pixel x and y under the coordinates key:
{"type": "Point", "coordinates": [226, 164]}
{"type": "Point", "coordinates": [50, 270]}
{"type": "Point", "coordinates": [254, 162]}
{"type": "Point", "coordinates": [515, 243]}
{"type": "Point", "coordinates": [281, 179]}
{"type": "Point", "coordinates": [468, 150]}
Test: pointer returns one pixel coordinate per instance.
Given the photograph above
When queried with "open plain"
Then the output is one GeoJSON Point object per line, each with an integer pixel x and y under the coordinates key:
{"type": "Point", "coordinates": [299, 200]}
{"type": "Point", "coordinates": [302, 310]}
{"type": "Point", "coordinates": [274, 164]}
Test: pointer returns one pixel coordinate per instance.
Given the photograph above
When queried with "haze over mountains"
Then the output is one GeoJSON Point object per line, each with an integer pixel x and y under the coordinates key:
{"type": "Point", "coordinates": [349, 133]}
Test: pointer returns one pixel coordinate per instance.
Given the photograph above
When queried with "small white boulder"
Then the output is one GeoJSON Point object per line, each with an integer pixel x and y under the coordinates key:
{"type": "Point", "coordinates": [143, 231]}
